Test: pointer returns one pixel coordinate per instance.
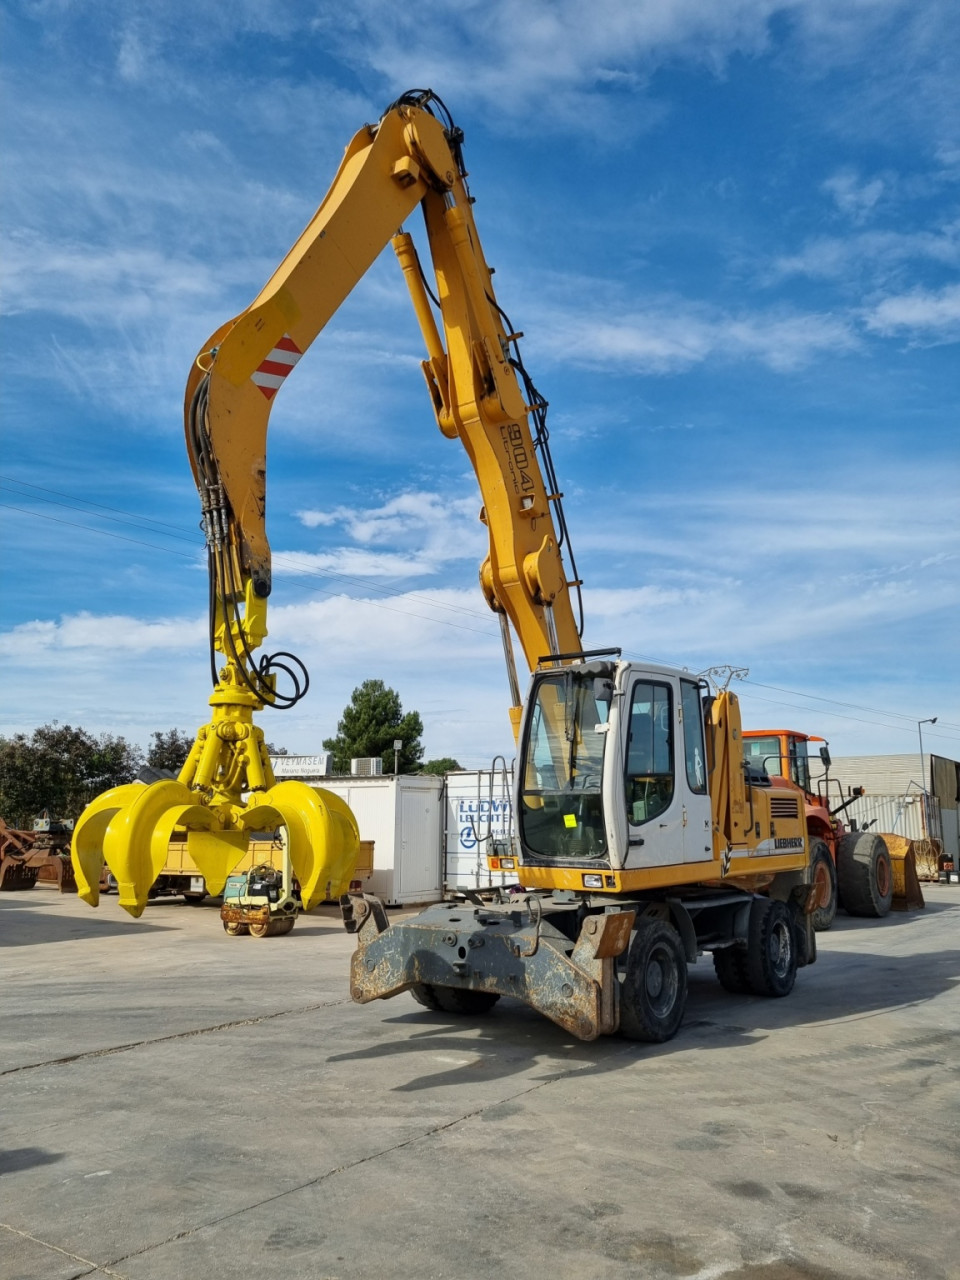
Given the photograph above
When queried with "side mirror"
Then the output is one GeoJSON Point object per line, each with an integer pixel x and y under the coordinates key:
{"type": "Point", "coordinates": [825, 756]}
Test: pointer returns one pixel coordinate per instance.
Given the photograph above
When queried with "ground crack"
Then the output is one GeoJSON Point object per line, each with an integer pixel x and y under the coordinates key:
{"type": "Point", "coordinates": [74, 1257]}
{"type": "Point", "coordinates": [177, 1035]}
{"type": "Point", "coordinates": [346, 1168]}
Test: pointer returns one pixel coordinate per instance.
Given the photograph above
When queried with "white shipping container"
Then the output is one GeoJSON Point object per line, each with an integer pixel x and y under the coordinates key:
{"type": "Point", "coordinates": [899, 815]}
{"type": "Point", "coordinates": [402, 816]}
{"type": "Point", "coordinates": [478, 807]}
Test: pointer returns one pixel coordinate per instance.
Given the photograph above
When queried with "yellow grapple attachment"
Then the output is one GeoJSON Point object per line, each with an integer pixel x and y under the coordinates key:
{"type": "Point", "coordinates": [130, 827]}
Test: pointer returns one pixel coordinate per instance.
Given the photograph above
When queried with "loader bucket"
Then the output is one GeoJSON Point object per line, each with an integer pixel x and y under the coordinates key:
{"type": "Point", "coordinates": [907, 894]}
{"type": "Point", "coordinates": [322, 835]}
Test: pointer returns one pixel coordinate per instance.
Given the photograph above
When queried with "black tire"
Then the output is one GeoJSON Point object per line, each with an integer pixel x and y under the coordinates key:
{"type": "Point", "coordinates": [453, 999]}
{"type": "Point", "coordinates": [730, 966]}
{"type": "Point", "coordinates": [864, 874]}
{"type": "Point", "coordinates": [824, 875]}
{"type": "Point", "coordinates": [771, 948]}
{"type": "Point", "coordinates": [424, 994]}
{"type": "Point", "coordinates": [653, 994]}
{"type": "Point", "coordinates": [195, 899]}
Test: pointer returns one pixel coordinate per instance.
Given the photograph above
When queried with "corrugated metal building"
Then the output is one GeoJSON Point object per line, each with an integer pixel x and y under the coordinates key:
{"type": "Point", "coordinates": [903, 797]}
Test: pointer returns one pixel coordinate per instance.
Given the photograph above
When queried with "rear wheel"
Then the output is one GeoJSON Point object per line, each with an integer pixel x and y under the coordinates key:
{"type": "Point", "coordinates": [824, 876]}
{"type": "Point", "coordinates": [195, 899]}
{"type": "Point", "coordinates": [453, 999]}
{"type": "Point", "coordinates": [653, 994]}
{"type": "Point", "coordinates": [864, 874]}
{"type": "Point", "coordinates": [234, 928]}
{"type": "Point", "coordinates": [771, 948]}
{"type": "Point", "coordinates": [259, 930]}
{"type": "Point", "coordinates": [730, 966]}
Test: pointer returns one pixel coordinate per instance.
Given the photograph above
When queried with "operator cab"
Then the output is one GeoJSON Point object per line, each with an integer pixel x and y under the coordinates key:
{"type": "Point", "coordinates": [782, 753]}
{"type": "Point", "coordinates": [613, 768]}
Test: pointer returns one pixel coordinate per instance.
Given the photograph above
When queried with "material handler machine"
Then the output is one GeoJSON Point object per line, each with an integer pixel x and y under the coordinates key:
{"type": "Point", "coordinates": [641, 841]}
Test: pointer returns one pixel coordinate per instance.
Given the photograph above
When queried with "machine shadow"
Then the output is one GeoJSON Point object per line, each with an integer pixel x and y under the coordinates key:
{"type": "Point", "coordinates": [18, 1159]}
{"type": "Point", "coordinates": [27, 924]}
{"type": "Point", "coordinates": [511, 1037]}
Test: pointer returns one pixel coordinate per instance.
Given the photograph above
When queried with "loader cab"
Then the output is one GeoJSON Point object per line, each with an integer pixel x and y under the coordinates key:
{"type": "Point", "coordinates": [782, 753]}
{"type": "Point", "coordinates": [612, 769]}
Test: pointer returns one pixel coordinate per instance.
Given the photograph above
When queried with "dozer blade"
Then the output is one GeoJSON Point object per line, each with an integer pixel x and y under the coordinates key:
{"type": "Point", "coordinates": [322, 836]}
{"type": "Point", "coordinates": [907, 893]}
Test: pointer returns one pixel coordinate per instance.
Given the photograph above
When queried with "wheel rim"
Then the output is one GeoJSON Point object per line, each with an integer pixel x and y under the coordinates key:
{"type": "Point", "coordinates": [660, 982]}
{"type": "Point", "coordinates": [781, 948]}
{"type": "Point", "coordinates": [821, 882]}
{"type": "Point", "coordinates": [883, 876]}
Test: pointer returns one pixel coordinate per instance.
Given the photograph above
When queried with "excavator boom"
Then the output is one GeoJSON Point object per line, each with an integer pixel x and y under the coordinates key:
{"type": "Point", "coordinates": [481, 395]}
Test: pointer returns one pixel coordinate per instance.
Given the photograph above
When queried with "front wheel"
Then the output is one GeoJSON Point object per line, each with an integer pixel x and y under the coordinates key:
{"type": "Point", "coordinates": [453, 999]}
{"type": "Point", "coordinates": [653, 994]}
{"type": "Point", "coordinates": [864, 874]}
{"type": "Point", "coordinates": [824, 876]}
{"type": "Point", "coordinates": [234, 928]}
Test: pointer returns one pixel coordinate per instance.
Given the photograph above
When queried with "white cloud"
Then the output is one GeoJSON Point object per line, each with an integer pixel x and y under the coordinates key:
{"type": "Point", "coordinates": [351, 562]}
{"type": "Point", "coordinates": [670, 336]}
{"type": "Point", "coordinates": [878, 253]}
{"type": "Point", "coordinates": [854, 197]}
{"type": "Point", "coordinates": [35, 643]}
{"type": "Point", "coordinates": [924, 315]}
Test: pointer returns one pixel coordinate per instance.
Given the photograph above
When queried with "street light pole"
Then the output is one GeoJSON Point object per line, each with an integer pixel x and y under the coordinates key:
{"type": "Point", "coordinates": [923, 775]}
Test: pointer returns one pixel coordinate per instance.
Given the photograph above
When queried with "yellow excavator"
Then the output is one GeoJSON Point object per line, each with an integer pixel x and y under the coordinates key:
{"type": "Point", "coordinates": [642, 841]}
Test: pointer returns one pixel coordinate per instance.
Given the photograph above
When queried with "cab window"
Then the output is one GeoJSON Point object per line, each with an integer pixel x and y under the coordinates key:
{"type": "Point", "coordinates": [693, 745]}
{"type": "Point", "coordinates": [799, 763]}
{"type": "Point", "coordinates": [650, 769]}
{"type": "Point", "coordinates": [763, 753]}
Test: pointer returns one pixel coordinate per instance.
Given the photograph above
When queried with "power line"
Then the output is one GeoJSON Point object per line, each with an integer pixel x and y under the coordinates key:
{"type": "Point", "coordinates": [73, 498]}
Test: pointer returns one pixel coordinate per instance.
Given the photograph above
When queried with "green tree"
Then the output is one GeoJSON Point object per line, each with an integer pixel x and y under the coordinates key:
{"type": "Point", "coordinates": [369, 726]}
{"type": "Point", "coordinates": [169, 750]}
{"type": "Point", "coordinates": [61, 769]}
{"type": "Point", "coordinates": [445, 764]}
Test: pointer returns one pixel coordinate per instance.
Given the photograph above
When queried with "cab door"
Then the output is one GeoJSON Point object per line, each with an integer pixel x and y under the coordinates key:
{"type": "Point", "coordinates": [654, 802]}
{"type": "Point", "coordinates": [697, 812]}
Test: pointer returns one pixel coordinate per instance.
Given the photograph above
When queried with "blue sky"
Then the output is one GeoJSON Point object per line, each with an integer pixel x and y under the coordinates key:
{"type": "Point", "coordinates": [730, 231]}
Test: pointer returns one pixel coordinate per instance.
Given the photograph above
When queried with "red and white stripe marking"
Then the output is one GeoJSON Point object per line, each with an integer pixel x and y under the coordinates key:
{"type": "Point", "coordinates": [269, 375]}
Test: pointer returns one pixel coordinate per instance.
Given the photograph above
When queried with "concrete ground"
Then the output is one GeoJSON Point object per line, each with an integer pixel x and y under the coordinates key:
{"type": "Point", "coordinates": [177, 1103]}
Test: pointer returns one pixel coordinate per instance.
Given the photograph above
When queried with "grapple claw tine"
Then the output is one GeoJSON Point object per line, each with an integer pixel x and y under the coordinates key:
{"type": "Point", "coordinates": [137, 837]}
{"type": "Point", "coordinates": [86, 848]}
{"type": "Point", "coordinates": [322, 836]}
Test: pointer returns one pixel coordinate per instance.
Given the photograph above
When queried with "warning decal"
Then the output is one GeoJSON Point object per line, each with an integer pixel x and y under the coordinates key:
{"type": "Point", "coordinates": [270, 373]}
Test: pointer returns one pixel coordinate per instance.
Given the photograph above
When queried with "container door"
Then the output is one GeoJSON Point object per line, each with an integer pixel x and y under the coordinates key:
{"type": "Point", "coordinates": [418, 863]}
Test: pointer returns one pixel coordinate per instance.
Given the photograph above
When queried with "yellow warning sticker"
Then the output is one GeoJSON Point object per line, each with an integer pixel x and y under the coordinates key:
{"type": "Point", "coordinates": [569, 819]}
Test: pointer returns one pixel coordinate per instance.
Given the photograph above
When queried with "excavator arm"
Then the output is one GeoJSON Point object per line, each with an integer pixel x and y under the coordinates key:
{"type": "Point", "coordinates": [476, 382]}
{"type": "Point", "coordinates": [480, 393]}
